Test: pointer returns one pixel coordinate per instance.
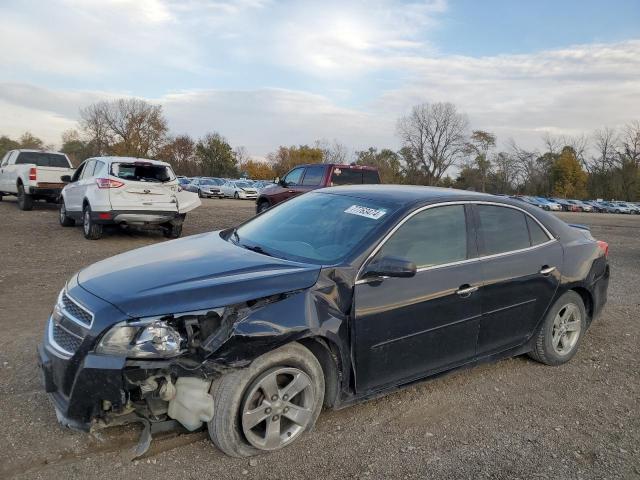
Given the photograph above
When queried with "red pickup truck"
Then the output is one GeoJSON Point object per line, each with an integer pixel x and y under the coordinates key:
{"type": "Point", "coordinates": [304, 178]}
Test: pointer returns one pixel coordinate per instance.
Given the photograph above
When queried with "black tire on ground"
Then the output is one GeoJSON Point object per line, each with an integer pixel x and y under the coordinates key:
{"type": "Point", "coordinates": [172, 230]}
{"type": "Point", "coordinates": [91, 230]}
{"type": "Point", "coordinates": [64, 219]}
{"type": "Point", "coordinates": [263, 205]}
{"type": "Point", "coordinates": [543, 349]}
{"type": "Point", "coordinates": [230, 390]}
{"type": "Point", "coordinates": [236, 196]}
{"type": "Point", "coordinates": [200, 193]}
{"type": "Point", "coordinates": [25, 201]}
{"type": "Point", "coordinates": [0, 197]}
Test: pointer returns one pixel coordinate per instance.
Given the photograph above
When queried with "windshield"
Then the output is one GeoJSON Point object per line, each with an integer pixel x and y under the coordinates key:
{"type": "Point", "coordinates": [142, 172]}
{"type": "Point", "coordinates": [242, 184]}
{"type": "Point", "coordinates": [315, 227]}
{"type": "Point", "coordinates": [43, 159]}
{"type": "Point", "coordinates": [207, 182]}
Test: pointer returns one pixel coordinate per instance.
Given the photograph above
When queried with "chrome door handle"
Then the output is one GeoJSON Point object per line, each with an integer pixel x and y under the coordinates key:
{"type": "Point", "coordinates": [546, 270]}
{"type": "Point", "coordinates": [466, 290]}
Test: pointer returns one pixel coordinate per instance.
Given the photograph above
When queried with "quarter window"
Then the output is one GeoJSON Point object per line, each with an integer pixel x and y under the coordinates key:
{"type": "Point", "coordinates": [503, 229]}
{"type": "Point", "coordinates": [435, 236]}
{"type": "Point", "coordinates": [535, 232]}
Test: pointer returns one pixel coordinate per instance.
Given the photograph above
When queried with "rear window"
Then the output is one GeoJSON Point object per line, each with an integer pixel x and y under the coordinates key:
{"type": "Point", "coordinates": [42, 159]}
{"type": "Point", "coordinates": [353, 176]}
{"type": "Point", "coordinates": [142, 172]}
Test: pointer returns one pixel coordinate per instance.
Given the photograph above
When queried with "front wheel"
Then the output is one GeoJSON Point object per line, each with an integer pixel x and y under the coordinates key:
{"type": "Point", "coordinates": [25, 201]}
{"type": "Point", "coordinates": [236, 196]}
{"type": "Point", "coordinates": [92, 230]}
{"type": "Point", "coordinates": [565, 323]}
{"type": "Point", "coordinates": [65, 220]}
{"type": "Point", "coordinates": [269, 404]}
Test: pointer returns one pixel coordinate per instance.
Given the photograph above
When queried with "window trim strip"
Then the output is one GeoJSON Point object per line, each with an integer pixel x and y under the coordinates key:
{"type": "Point", "coordinates": [360, 281]}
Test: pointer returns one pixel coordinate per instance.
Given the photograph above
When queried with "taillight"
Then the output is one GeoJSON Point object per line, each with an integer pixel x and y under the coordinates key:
{"type": "Point", "coordinates": [604, 246]}
{"type": "Point", "coordinates": [33, 173]}
{"type": "Point", "coordinates": [108, 183]}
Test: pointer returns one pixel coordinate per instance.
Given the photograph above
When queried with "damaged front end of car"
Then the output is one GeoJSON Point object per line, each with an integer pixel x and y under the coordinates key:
{"type": "Point", "coordinates": [158, 371]}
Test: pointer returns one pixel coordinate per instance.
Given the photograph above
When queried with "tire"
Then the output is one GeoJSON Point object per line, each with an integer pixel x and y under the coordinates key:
{"type": "Point", "coordinates": [173, 230]}
{"type": "Point", "coordinates": [64, 219]}
{"type": "Point", "coordinates": [199, 193]}
{"type": "Point", "coordinates": [25, 201]}
{"type": "Point", "coordinates": [0, 197]}
{"type": "Point", "coordinates": [571, 307]}
{"type": "Point", "coordinates": [262, 206]}
{"type": "Point", "coordinates": [91, 230]}
{"type": "Point", "coordinates": [235, 391]}
{"type": "Point", "coordinates": [236, 196]}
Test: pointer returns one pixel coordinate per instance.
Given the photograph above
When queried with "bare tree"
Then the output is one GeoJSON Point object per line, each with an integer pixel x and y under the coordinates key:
{"type": "Point", "coordinates": [480, 144]}
{"type": "Point", "coordinates": [180, 153]}
{"type": "Point", "coordinates": [605, 141]}
{"type": "Point", "coordinates": [553, 144]}
{"type": "Point", "coordinates": [435, 135]}
{"type": "Point", "coordinates": [334, 152]}
{"type": "Point", "coordinates": [129, 126]}
{"type": "Point", "coordinates": [631, 142]}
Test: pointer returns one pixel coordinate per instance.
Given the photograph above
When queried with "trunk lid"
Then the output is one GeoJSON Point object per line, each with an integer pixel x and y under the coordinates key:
{"type": "Point", "coordinates": [144, 196]}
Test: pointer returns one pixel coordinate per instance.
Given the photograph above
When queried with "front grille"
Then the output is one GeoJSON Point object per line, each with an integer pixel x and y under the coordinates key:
{"type": "Point", "coordinates": [76, 311]}
{"type": "Point", "coordinates": [65, 339]}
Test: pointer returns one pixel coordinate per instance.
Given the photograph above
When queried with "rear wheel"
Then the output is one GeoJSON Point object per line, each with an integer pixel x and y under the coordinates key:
{"type": "Point", "coordinates": [173, 230]}
{"type": "Point", "coordinates": [65, 220]}
{"type": "Point", "coordinates": [269, 404]}
{"type": "Point", "coordinates": [565, 323]}
{"type": "Point", "coordinates": [262, 206]}
{"type": "Point", "coordinates": [25, 201]}
{"type": "Point", "coordinates": [92, 230]}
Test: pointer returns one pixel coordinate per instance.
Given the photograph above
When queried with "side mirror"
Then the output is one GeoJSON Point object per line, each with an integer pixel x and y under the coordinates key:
{"type": "Point", "coordinates": [66, 178]}
{"type": "Point", "coordinates": [276, 180]}
{"type": "Point", "coordinates": [390, 267]}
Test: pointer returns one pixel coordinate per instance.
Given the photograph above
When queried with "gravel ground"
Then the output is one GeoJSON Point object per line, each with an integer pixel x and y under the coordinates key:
{"type": "Point", "coordinates": [510, 419]}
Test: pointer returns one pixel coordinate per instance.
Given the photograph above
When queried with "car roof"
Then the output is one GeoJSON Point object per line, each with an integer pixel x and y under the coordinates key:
{"type": "Point", "coordinates": [130, 160]}
{"type": "Point", "coordinates": [35, 150]}
{"type": "Point", "coordinates": [339, 165]}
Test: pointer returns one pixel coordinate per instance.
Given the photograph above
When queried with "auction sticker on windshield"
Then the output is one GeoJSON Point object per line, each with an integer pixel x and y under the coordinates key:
{"type": "Point", "coordinates": [367, 212]}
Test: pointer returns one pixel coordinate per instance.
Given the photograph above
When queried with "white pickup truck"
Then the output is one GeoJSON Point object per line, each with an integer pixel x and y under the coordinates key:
{"type": "Point", "coordinates": [33, 175]}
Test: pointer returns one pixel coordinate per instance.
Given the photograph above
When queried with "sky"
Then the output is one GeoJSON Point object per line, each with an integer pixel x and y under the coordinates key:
{"type": "Point", "coordinates": [265, 73]}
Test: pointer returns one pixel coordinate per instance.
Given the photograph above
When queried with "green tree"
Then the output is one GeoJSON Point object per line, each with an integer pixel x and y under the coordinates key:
{"type": "Point", "coordinates": [480, 144]}
{"type": "Point", "coordinates": [7, 144]}
{"type": "Point", "coordinates": [386, 161]}
{"type": "Point", "coordinates": [567, 176]}
{"type": "Point", "coordinates": [288, 157]}
{"type": "Point", "coordinates": [28, 140]}
{"type": "Point", "coordinates": [216, 156]}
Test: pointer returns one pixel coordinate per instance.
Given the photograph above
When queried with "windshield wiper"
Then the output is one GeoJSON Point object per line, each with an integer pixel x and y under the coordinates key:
{"type": "Point", "coordinates": [256, 248]}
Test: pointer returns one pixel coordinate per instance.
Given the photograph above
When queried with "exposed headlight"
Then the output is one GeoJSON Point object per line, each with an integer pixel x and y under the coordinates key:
{"type": "Point", "coordinates": [146, 338]}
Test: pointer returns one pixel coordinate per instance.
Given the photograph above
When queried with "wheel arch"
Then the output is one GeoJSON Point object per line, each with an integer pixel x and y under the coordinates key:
{"type": "Point", "coordinates": [327, 354]}
{"type": "Point", "coordinates": [587, 298]}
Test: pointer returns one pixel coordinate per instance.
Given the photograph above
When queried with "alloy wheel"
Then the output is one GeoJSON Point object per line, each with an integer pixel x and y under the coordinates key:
{"type": "Point", "coordinates": [277, 408]}
{"type": "Point", "coordinates": [566, 329]}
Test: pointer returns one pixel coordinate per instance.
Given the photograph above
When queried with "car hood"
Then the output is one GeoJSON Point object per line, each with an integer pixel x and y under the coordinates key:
{"type": "Point", "coordinates": [192, 273]}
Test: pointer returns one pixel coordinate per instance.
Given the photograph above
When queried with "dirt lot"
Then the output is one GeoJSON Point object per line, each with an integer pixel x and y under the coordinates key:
{"type": "Point", "coordinates": [512, 419]}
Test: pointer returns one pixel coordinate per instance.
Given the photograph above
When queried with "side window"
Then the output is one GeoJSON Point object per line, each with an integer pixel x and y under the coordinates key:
{"type": "Point", "coordinates": [294, 176]}
{"type": "Point", "coordinates": [78, 173]}
{"type": "Point", "coordinates": [503, 229]}
{"type": "Point", "coordinates": [88, 169]}
{"type": "Point", "coordinates": [535, 232]}
{"type": "Point", "coordinates": [433, 237]}
{"type": "Point", "coordinates": [313, 176]}
{"type": "Point", "coordinates": [100, 170]}
{"type": "Point", "coordinates": [5, 159]}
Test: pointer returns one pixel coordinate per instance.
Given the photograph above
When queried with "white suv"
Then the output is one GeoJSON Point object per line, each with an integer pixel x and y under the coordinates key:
{"type": "Point", "coordinates": [125, 191]}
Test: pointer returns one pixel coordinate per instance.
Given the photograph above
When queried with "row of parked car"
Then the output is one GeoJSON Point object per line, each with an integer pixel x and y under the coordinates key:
{"type": "Point", "coordinates": [571, 205]}
{"type": "Point", "coordinates": [213, 187]}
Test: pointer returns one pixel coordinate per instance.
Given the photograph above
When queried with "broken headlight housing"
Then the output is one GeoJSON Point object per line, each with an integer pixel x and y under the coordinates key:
{"type": "Point", "coordinates": [145, 338]}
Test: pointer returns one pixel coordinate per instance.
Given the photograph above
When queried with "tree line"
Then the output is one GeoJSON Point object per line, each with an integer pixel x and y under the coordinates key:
{"type": "Point", "coordinates": [435, 139]}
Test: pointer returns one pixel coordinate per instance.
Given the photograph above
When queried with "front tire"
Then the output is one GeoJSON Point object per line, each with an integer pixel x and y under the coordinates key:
{"type": "Point", "coordinates": [65, 220]}
{"type": "Point", "coordinates": [269, 404]}
{"type": "Point", "coordinates": [236, 196]}
{"type": "Point", "coordinates": [92, 230]}
{"type": "Point", "coordinates": [561, 331]}
{"type": "Point", "coordinates": [25, 201]}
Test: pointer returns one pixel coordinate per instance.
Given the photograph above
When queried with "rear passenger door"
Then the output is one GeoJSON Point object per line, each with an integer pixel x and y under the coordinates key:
{"type": "Point", "coordinates": [521, 265]}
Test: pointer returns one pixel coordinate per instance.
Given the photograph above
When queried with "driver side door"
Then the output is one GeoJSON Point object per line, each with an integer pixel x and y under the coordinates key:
{"type": "Point", "coordinates": [74, 191]}
{"type": "Point", "coordinates": [407, 328]}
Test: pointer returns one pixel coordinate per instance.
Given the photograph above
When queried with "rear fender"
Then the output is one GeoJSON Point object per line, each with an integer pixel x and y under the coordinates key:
{"type": "Point", "coordinates": [187, 201]}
